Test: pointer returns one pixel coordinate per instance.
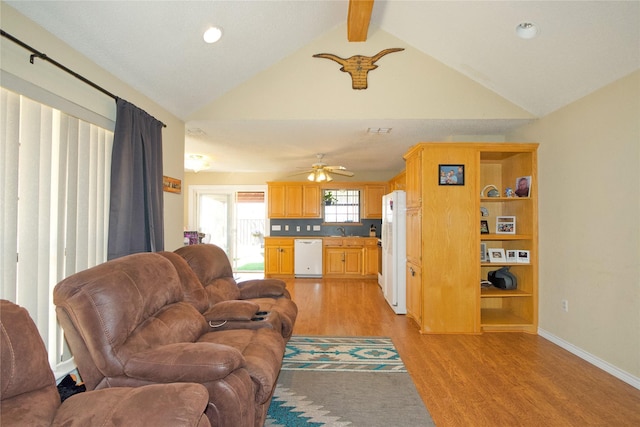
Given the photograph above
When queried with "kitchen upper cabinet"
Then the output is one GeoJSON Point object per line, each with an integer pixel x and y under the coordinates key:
{"type": "Point", "coordinates": [311, 201]}
{"type": "Point", "coordinates": [398, 182]}
{"type": "Point", "coordinates": [373, 200]}
{"type": "Point", "coordinates": [276, 200]}
{"type": "Point", "coordinates": [413, 177]}
{"type": "Point", "coordinates": [293, 200]}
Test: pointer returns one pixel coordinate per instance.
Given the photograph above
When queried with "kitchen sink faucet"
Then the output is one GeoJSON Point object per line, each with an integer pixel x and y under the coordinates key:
{"type": "Point", "coordinates": [341, 230]}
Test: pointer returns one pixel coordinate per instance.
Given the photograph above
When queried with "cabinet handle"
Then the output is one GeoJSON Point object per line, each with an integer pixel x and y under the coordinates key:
{"type": "Point", "coordinates": [413, 273]}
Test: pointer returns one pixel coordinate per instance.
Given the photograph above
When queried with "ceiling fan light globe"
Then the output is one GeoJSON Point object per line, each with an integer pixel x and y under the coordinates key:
{"type": "Point", "coordinates": [312, 176]}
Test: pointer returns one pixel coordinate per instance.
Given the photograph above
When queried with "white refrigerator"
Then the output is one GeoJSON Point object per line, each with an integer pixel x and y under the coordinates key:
{"type": "Point", "coordinates": [394, 250]}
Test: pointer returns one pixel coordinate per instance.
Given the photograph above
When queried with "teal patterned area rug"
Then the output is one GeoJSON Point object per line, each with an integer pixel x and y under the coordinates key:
{"type": "Point", "coordinates": [345, 381]}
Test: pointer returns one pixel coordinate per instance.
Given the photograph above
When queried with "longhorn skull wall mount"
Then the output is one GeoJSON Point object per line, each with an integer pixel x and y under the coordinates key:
{"type": "Point", "coordinates": [358, 65]}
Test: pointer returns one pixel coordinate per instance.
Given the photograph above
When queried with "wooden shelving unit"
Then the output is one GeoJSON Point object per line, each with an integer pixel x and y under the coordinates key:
{"type": "Point", "coordinates": [443, 237]}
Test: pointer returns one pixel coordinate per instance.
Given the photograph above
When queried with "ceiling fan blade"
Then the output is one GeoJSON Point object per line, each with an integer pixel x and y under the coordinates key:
{"type": "Point", "coordinates": [308, 171]}
{"type": "Point", "coordinates": [342, 172]}
{"type": "Point", "coordinates": [335, 168]}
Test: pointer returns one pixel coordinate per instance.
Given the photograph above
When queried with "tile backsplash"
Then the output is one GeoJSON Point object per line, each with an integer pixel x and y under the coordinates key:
{"type": "Point", "coordinates": [314, 227]}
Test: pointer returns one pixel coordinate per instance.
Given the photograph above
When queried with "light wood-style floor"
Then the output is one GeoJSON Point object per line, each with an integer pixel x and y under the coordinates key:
{"type": "Point", "coordinates": [494, 379]}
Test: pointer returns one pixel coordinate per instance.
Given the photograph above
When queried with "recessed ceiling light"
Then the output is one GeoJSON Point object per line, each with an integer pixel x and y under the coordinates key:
{"type": "Point", "coordinates": [212, 35]}
{"type": "Point", "coordinates": [527, 30]}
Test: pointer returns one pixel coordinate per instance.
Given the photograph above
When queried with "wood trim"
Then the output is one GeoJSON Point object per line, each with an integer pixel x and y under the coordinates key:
{"type": "Point", "coordinates": [358, 19]}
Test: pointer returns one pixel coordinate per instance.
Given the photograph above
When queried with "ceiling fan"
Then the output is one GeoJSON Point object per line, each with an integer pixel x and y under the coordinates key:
{"type": "Point", "coordinates": [321, 172]}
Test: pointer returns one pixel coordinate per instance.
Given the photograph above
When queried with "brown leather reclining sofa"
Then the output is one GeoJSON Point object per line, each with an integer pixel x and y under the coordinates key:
{"type": "Point", "coordinates": [140, 320]}
{"type": "Point", "coordinates": [266, 300]}
{"type": "Point", "coordinates": [29, 396]}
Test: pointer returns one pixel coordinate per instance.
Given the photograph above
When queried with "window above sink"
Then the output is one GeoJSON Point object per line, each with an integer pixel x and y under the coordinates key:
{"type": "Point", "coordinates": [341, 206]}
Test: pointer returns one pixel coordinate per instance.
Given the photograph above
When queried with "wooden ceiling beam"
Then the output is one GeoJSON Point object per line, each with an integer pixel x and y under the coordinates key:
{"type": "Point", "coordinates": [358, 20]}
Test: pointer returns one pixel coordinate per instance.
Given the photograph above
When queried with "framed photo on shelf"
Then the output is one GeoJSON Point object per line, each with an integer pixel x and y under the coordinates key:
{"type": "Point", "coordinates": [524, 257]}
{"type": "Point", "coordinates": [484, 226]}
{"type": "Point", "coordinates": [451, 174]}
{"type": "Point", "coordinates": [512, 255]}
{"type": "Point", "coordinates": [506, 225]}
{"type": "Point", "coordinates": [484, 256]}
{"type": "Point", "coordinates": [523, 186]}
{"type": "Point", "coordinates": [496, 255]}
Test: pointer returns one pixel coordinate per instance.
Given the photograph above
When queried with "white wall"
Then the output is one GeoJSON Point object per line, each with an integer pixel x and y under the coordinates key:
{"type": "Point", "coordinates": [589, 195]}
{"type": "Point", "coordinates": [15, 60]}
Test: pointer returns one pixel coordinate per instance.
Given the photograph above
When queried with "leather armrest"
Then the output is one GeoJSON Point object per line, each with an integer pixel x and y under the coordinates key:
{"type": "Point", "coordinates": [162, 405]}
{"type": "Point", "coordinates": [260, 288]}
{"type": "Point", "coordinates": [184, 362]}
{"type": "Point", "coordinates": [232, 310]}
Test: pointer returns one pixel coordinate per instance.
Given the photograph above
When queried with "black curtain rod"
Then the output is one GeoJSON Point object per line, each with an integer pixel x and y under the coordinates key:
{"type": "Point", "coordinates": [37, 54]}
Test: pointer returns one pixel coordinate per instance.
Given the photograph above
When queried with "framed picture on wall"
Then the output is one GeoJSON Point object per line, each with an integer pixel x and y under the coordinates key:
{"type": "Point", "coordinates": [451, 175]}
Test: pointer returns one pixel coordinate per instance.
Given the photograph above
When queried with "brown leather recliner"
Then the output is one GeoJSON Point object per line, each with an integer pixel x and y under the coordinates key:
{"type": "Point", "coordinates": [30, 396]}
{"type": "Point", "coordinates": [212, 267]}
{"type": "Point", "coordinates": [129, 322]}
{"type": "Point", "coordinates": [224, 315]}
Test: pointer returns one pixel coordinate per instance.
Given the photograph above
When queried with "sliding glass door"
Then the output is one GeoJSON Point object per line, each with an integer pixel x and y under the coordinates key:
{"type": "Point", "coordinates": [234, 218]}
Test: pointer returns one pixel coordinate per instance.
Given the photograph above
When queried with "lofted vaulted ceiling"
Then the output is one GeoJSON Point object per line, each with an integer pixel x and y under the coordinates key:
{"type": "Point", "coordinates": [258, 101]}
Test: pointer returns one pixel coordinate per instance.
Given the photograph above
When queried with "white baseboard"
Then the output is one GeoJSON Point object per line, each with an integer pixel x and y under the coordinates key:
{"type": "Point", "coordinates": [596, 361]}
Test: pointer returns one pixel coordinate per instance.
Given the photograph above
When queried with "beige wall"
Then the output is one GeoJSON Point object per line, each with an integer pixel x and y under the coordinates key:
{"type": "Point", "coordinates": [15, 60]}
{"type": "Point", "coordinates": [589, 173]}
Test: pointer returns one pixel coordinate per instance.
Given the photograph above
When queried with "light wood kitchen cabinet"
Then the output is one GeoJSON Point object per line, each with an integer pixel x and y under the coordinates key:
{"type": "Point", "coordinates": [414, 228]}
{"type": "Point", "coordinates": [414, 292]}
{"type": "Point", "coordinates": [350, 257]}
{"type": "Point", "coordinates": [311, 201]}
{"type": "Point", "coordinates": [443, 238]}
{"type": "Point", "coordinates": [293, 200]}
{"type": "Point", "coordinates": [370, 267]}
{"type": "Point", "coordinates": [343, 261]}
{"type": "Point", "coordinates": [278, 256]}
{"type": "Point", "coordinates": [276, 196]}
{"type": "Point", "coordinates": [398, 182]}
{"type": "Point", "coordinates": [373, 200]}
{"type": "Point", "coordinates": [413, 177]}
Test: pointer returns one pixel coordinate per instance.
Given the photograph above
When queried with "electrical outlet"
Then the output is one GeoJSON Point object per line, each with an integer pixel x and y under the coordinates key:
{"type": "Point", "coordinates": [286, 228]}
{"type": "Point", "coordinates": [308, 228]}
{"type": "Point", "coordinates": [565, 305]}
{"type": "Point", "coordinates": [297, 228]}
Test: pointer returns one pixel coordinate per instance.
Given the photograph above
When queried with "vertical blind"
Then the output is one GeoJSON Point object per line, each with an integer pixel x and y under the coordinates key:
{"type": "Point", "coordinates": [54, 176]}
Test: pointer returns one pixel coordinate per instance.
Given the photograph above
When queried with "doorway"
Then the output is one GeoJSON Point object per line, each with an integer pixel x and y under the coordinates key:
{"type": "Point", "coordinates": [234, 218]}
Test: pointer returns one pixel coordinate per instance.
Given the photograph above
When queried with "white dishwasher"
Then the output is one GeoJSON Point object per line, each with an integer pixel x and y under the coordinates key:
{"type": "Point", "coordinates": [307, 257]}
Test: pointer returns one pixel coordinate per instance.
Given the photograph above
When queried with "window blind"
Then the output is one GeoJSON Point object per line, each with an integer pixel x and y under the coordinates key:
{"type": "Point", "coordinates": [54, 173]}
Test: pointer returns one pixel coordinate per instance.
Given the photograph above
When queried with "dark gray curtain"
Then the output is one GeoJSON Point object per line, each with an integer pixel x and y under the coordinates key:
{"type": "Point", "coordinates": [136, 218]}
